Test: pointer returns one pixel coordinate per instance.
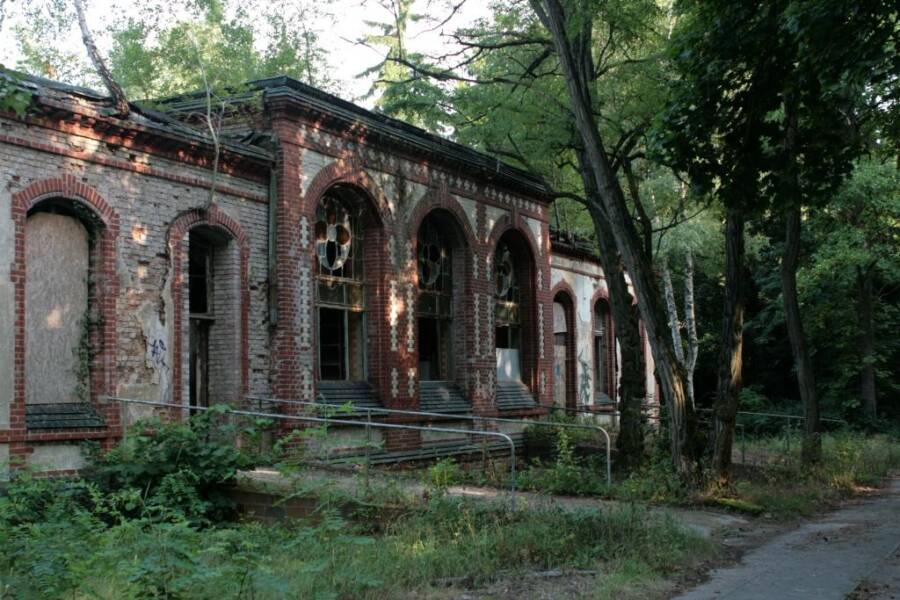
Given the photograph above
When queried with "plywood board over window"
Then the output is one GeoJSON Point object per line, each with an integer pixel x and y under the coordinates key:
{"type": "Point", "coordinates": [56, 309]}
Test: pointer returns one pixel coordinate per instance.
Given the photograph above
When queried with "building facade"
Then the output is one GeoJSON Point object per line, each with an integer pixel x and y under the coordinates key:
{"type": "Point", "coordinates": [321, 252]}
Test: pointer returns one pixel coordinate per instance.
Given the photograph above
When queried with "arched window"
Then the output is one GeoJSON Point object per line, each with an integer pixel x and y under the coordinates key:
{"type": "Point", "coordinates": [508, 317]}
{"type": "Point", "coordinates": [564, 371]}
{"type": "Point", "coordinates": [604, 354]}
{"type": "Point", "coordinates": [340, 290]}
{"type": "Point", "coordinates": [435, 304]}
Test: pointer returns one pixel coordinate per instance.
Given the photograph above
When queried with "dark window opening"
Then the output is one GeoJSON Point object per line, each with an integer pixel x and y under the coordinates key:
{"type": "Point", "coordinates": [200, 276]}
{"type": "Point", "coordinates": [435, 356]}
{"type": "Point", "coordinates": [603, 350]}
{"type": "Point", "coordinates": [210, 336]}
{"type": "Point", "coordinates": [341, 342]}
{"type": "Point", "coordinates": [507, 314]}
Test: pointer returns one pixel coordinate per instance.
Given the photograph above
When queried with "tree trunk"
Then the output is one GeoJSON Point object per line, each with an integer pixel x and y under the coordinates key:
{"type": "Point", "coordinates": [690, 325]}
{"type": "Point", "coordinates": [682, 422]}
{"type": "Point", "coordinates": [864, 287]}
{"type": "Point", "coordinates": [115, 90]}
{"type": "Point", "coordinates": [672, 313]}
{"type": "Point", "coordinates": [812, 442]}
{"type": "Point", "coordinates": [630, 441]}
{"type": "Point", "coordinates": [732, 342]}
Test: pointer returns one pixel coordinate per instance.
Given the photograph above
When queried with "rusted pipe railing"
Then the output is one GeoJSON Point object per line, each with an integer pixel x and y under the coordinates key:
{"type": "Point", "coordinates": [367, 424]}
{"type": "Point", "coordinates": [472, 418]}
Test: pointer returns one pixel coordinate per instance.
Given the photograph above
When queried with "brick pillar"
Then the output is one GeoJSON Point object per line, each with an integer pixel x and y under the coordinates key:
{"type": "Point", "coordinates": [293, 337]}
{"type": "Point", "coordinates": [482, 290]}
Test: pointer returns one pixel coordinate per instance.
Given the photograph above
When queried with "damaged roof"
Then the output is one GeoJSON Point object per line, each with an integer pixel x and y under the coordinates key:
{"type": "Point", "coordinates": [53, 95]}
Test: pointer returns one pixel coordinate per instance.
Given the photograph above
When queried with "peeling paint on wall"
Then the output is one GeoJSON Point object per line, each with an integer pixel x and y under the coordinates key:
{"type": "Point", "coordinates": [158, 350]}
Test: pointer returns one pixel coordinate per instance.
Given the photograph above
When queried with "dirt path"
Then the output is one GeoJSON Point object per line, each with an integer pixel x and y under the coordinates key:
{"type": "Point", "coordinates": [853, 551]}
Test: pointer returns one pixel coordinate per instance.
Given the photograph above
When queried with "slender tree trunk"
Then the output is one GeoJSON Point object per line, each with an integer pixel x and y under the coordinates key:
{"type": "Point", "coordinates": [864, 287]}
{"type": "Point", "coordinates": [812, 443]}
{"type": "Point", "coordinates": [682, 422]}
{"type": "Point", "coordinates": [732, 343]}
{"type": "Point", "coordinates": [115, 90]}
{"type": "Point", "coordinates": [672, 312]}
{"type": "Point", "coordinates": [690, 325]}
{"type": "Point", "coordinates": [630, 441]}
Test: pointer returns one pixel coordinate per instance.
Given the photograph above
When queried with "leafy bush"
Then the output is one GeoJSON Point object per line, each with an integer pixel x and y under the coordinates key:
{"type": "Point", "coordinates": [568, 474]}
{"type": "Point", "coordinates": [181, 470]}
{"type": "Point", "coordinates": [69, 551]}
{"type": "Point", "coordinates": [443, 474]}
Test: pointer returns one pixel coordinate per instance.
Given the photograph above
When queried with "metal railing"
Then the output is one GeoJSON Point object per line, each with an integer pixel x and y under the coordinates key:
{"type": "Point", "coordinates": [458, 417]}
{"type": "Point", "coordinates": [706, 417]}
{"type": "Point", "coordinates": [330, 420]}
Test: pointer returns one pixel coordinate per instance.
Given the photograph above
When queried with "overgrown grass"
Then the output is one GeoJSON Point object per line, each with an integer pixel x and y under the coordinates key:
{"type": "Point", "coordinates": [782, 487]}
{"type": "Point", "coordinates": [107, 537]}
{"type": "Point", "coordinates": [71, 548]}
{"type": "Point", "coordinates": [776, 484]}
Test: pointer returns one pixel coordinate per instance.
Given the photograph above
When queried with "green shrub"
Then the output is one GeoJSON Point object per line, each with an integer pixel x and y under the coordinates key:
{"type": "Point", "coordinates": [443, 474]}
{"type": "Point", "coordinates": [568, 474]}
{"type": "Point", "coordinates": [182, 470]}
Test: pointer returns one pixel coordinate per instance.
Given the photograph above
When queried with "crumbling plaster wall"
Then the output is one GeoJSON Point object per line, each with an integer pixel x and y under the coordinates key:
{"type": "Point", "coordinates": [147, 205]}
{"type": "Point", "coordinates": [585, 279]}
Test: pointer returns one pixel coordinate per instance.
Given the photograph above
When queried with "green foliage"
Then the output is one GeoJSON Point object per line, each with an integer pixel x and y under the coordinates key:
{"type": "Point", "coordinates": [161, 49]}
{"type": "Point", "coordinates": [64, 550]}
{"type": "Point", "coordinates": [12, 99]}
{"type": "Point", "coordinates": [780, 486]}
{"type": "Point", "coordinates": [180, 469]}
{"type": "Point", "coordinates": [443, 474]}
{"type": "Point", "coordinates": [655, 481]}
{"type": "Point", "coordinates": [568, 474]}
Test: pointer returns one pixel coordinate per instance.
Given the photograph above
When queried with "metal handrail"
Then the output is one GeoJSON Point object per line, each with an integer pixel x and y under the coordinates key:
{"type": "Point", "coordinates": [473, 418]}
{"type": "Point", "coordinates": [327, 420]}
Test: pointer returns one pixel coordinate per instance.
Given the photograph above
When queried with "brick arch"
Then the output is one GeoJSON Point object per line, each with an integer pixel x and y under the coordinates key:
{"type": "Point", "coordinates": [506, 223]}
{"type": "Point", "coordinates": [348, 171]}
{"type": "Point", "coordinates": [180, 227]}
{"type": "Point", "coordinates": [104, 295]}
{"type": "Point", "coordinates": [442, 201]}
{"type": "Point", "coordinates": [564, 290]}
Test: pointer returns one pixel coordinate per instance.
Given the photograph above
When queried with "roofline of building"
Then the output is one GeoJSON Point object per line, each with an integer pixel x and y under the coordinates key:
{"type": "Point", "coordinates": [286, 93]}
{"type": "Point", "coordinates": [92, 105]}
{"type": "Point", "coordinates": [394, 132]}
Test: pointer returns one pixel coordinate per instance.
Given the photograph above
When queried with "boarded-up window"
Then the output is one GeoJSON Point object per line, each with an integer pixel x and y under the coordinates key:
{"type": "Point", "coordinates": [56, 305]}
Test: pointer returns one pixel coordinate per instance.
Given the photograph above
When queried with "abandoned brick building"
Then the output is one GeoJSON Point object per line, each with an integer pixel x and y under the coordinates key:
{"type": "Point", "coordinates": [325, 253]}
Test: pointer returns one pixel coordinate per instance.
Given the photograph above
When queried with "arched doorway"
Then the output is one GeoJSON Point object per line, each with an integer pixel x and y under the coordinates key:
{"type": "Point", "coordinates": [514, 321]}
{"type": "Point", "coordinates": [345, 287]}
{"type": "Point", "coordinates": [441, 260]}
